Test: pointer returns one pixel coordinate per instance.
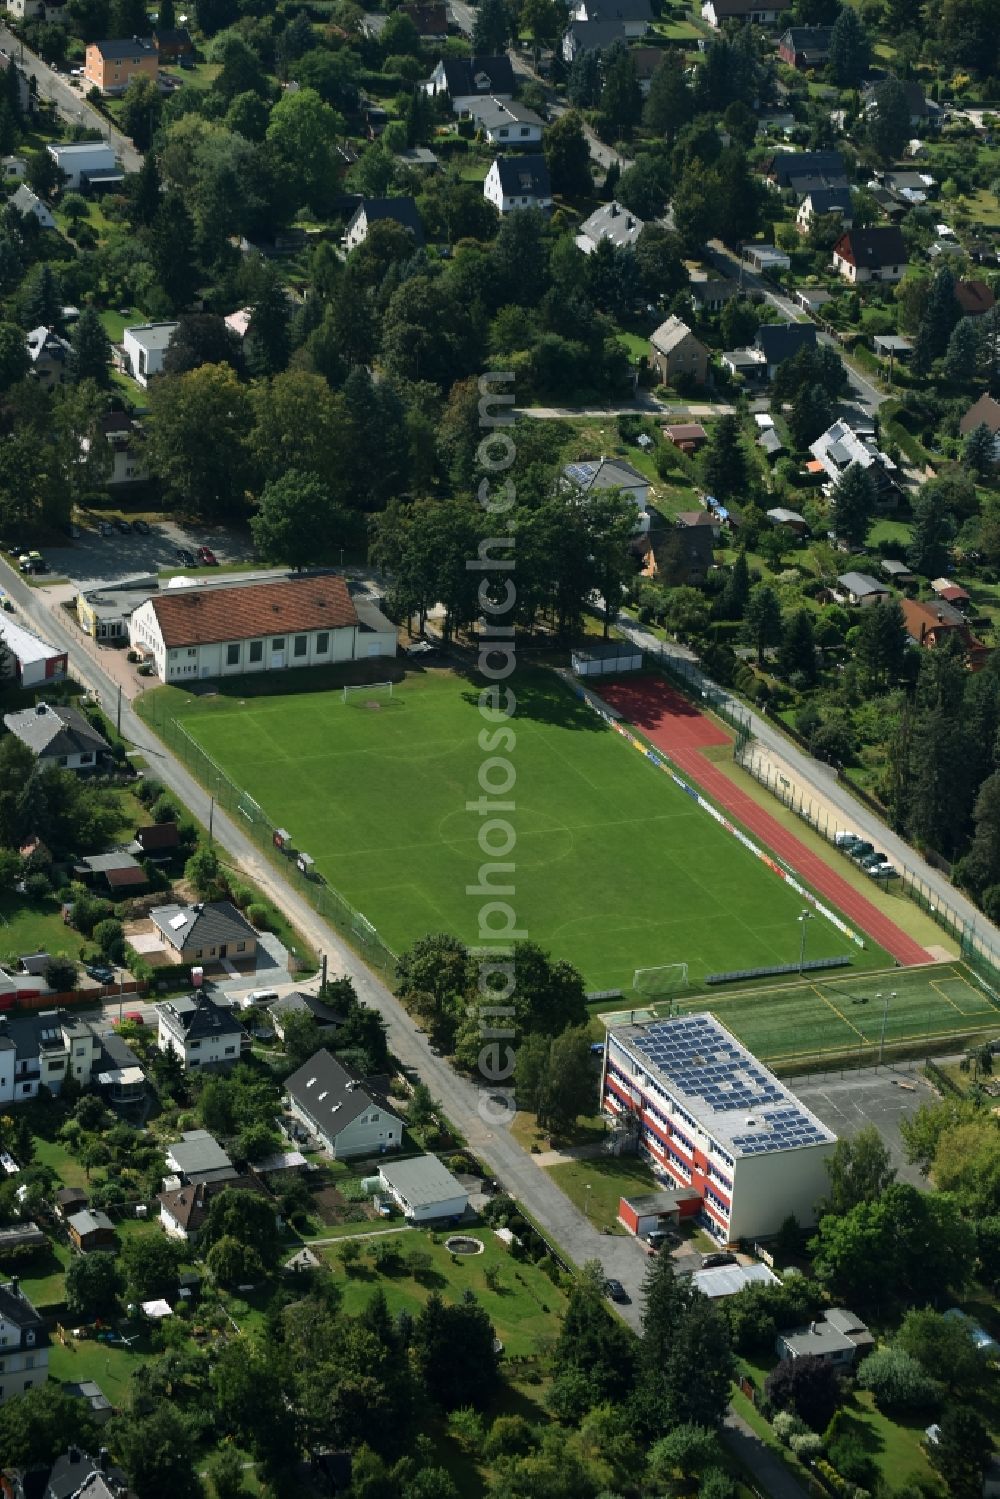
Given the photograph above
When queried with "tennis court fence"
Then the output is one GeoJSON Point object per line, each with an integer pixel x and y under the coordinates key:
{"type": "Point", "coordinates": [352, 925]}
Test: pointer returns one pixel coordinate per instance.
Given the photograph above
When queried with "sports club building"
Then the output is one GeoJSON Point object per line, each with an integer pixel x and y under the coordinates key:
{"type": "Point", "coordinates": [708, 1116]}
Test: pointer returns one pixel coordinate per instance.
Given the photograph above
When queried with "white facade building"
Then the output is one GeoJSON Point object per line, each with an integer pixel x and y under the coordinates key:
{"type": "Point", "coordinates": [707, 1115]}
{"type": "Point", "coordinates": [144, 348]}
{"type": "Point", "coordinates": [201, 1033]}
{"type": "Point", "coordinates": [226, 629]}
{"type": "Point", "coordinates": [25, 201]}
{"type": "Point", "coordinates": [423, 1189]}
{"type": "Point", "coordinates": [24, 1343]}
{"type": "Point", "coordinates": [80, 162]}
{"type": "Point", "coordinates": [340, 1111]}
{"type": "Point", "coordinates": [516, 182]}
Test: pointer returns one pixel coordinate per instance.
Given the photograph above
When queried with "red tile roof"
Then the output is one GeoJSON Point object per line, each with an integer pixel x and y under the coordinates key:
{"type": "Point", "coordinates": [204, 616]}
{"type": "Point", "coordinates": [974, 297]}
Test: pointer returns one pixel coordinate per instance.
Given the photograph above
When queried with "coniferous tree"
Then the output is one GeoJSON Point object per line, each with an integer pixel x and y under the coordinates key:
{"type": "Point", "coordinates": [849, 49]}
{"type": "Point", "coordinates": [268, 334]}
{"type": "Point", "coordinates": [798, 645]}
{"type": "Point", "coordinates": [724, 466]}
{"type": "Point", "coordinates": [735, 595]}
{"type": "Point", "coordinates": [853, 504]}
{"type": "Point", "coordinates": [762, 620]}
{"type": "Point", "coordinates": [91, 349]}
{"type": "Point", "coordinates": [978, 451]}
{"type": "Point", "coordinates": [669, 104]}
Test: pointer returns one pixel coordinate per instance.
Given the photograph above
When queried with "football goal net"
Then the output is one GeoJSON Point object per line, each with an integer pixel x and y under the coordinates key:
{"type": "Point", "coordinates": [369, 694]}
{"type": "Point", "coordinates": [662, 982]}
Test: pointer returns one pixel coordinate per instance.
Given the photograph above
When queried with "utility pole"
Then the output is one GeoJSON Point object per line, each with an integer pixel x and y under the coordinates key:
{"type": "Point", "coordinates": [119, 717]}
{"type": "Point", "coordinates": [211, 819]}
{"type": "Point", "coordinates": [804, 917]}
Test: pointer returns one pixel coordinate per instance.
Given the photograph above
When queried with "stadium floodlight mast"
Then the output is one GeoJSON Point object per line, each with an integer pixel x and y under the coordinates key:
{"type": "Point", "coordinates": [804, 918]}
{"type": "Point", "coordinates": [885, 998]}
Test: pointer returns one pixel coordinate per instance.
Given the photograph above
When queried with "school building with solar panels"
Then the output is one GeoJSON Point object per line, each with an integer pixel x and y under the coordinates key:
{"type": "Point", "coordinates": [709, 1117]}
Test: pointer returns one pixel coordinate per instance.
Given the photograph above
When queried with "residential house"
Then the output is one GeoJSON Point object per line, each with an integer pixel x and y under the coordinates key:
{"type": "Point", "coordinates": [746, 12]}
{"type": "Point", "coordinates": [862, 590]}
{"type": "Point", "coordinates": [38, 10]}
{"type": "Point", "coordinates": [510, 125]}
{"type": "Point", "coordinates": [58, 735]}
{"type": "Point", "coordinates": [877, 254]}
{"type": "Point", "coordinates": [119, 872]}
{"type": "Point", "coordinates": [49, 356]}
{"type": "Point", "coordinates": [400, 210]}
{"type": "Point", "coordinates": [676, 555]}
{"type": "Point", "coordinates": [516, 182]}
{"type": "Point", "coordinates": [952, 593]}
{"type": "Point", "coordinates": [747, 364]}
{"type": "Point", "coordinates": [208, 933]}
{"type": "Point", "coordinates": [974, 297]}
{"type": "Point", "coordinates": [646, 60]}
{"type": "Point", "coordinates": [931, 624]}
{"type": "Point", "coordinates": [423, 1189]}
{"type": "Point", "coordinates": [613, 222]}
{"type": "Point", "coordinates": [911, 189]}
{"type": "Point", "coordinates": [592, 36]}
{"type": "Point", "coordinates": [897, 572]}
{"type": "Point", "coordinates": [712, 293]}
{"type": "Point", "coordinates": [83, 163]}
{"type": "Point", "coordinates": [823, 201]}
{"type": "Point", "coordinates": [788, 165]}
{"type": "Point", "coordinates": [846, 443]}
{"type": "Point", "coordinates": [689, 437]}
{"type": "Point", "coordinates": [14, 168]}
{"type": "Point", "coordinates": [346, 1115]}
{"type": "Point", "coordinates": [983, 413]}
{"type": "Point", "coordinates": [39, 1049]}
{"type": "Point", "coordinates": [121, 1075]}
{"type": "Point", "coordinates": [230, 629]}
{"type": "Point", "coordinates": [157, 841]}
{"type": "Point", "coordinates": [144, 348]}
{"type": "Point", "coordinates": [91, 1229]}
{"type": "Point", "coordinates": [111, 65]}
{"type": "Point", "coordinates": [466, 79]}
{"type": "Point", "coordinates": [675, 351]}
{"type": "Point", "coordinates": [125, 438]}
{"type": "Point", "coordinates": [837, 1337]}
{"type": "Point", "coordinates": [920, 107]}
{"type": "Point", "coordinates": [766, 260]}
{"type": "Point", "coordinates": [30, 660]}
{"type": "Point", "coordinates": [636, 16]}
{"type": "Point", "coordinates": [710, 518]}
{"type": "Point", "coordinates": [805, 46]}
{"type": "Point", "coordinates": [199, 1160]}
{"type": "Point", "coordinates": [69, 1200]}
{"type": "Point", "coordinates": [76, 1475]}
{"type": "Point", "coordinates": [430, 17]}
{"type": "Point", "coordinates": [24, 1343]}
{"type": "Point", "coordinates": [816, 182]}
{"type": "Point", "coordinates": [589, 474]}
{"type": "Point", "coordinates": [200, 1033]}
{"type": "Point", "coordinates": [780, 515]}
{"type": "Point", "coordinates": [709, 1117]}
{"type": "Point", "coordinates": [172, 43]}
{"type": "Point", "coordinates": [325, 1020]}
{"type": "Point", "coordinates": [777, 342]}
{"type": "Point", "coordinates": [183, 1210]}
{"type": "Point", "coordinates": [25, 201]}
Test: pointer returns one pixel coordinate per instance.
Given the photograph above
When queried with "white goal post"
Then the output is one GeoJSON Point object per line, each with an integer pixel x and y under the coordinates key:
{"type": "Point", "coordinates": [658, 983]}
{"type": "Point", "coordinates": [368, 689]}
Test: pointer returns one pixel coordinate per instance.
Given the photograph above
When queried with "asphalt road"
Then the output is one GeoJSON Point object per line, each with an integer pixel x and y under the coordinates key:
{"type": "Point", "coordinates": [70, 104]}
{"type": "Point", "coordinates": [865, 392]}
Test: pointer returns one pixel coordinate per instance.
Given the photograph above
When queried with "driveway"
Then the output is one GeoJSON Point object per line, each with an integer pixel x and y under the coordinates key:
{"type": "Point", "coordinates": [73, 109]}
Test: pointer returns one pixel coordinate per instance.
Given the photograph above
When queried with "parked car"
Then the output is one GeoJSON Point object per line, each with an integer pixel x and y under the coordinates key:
{"type": "Point", "coordinates": [124, 527]}
{"type": "Point", "coordinates": [101, 973]}
{"type": "Point", "coordinates": [207, 557]}
{"type": "Point", "coordinates": [105, 528]}
{"type": "Point", "coordinates": [142, 527]}
{"type": "Point", "coordinates": [186, 558]}
{"type": "Point", "coordinates": [845, 839]}
{"type": "Point", "coordinates": [421, 648]}
{"type": "Point", "coordinates": [135, 1017]}
{"type": "Point", "coordinates": [713, 1261]}
{"type": "Point", "coordinates": [870, 860]}
{"type": "Point", "coordinates": [616, 1291]}
{"type": "Point", "coordinates": [861, 851]}
{"type": "Point", "coordinates": [31, 562]}
{"type": "Point", "coordinates": [884, 871]}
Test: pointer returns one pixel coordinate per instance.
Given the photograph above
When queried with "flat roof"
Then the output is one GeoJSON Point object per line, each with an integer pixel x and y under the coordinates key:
{"type": "Point", "coordinates": [421, 1181]}
{"type": "Point", "coordinates": [720, 1084]}
{"type": "Point", "coordinates": [726, 1280]}
{"type": "Point", "coordinates": [152, 335]}
{"type": "Point", "coordinates": [23, 644]}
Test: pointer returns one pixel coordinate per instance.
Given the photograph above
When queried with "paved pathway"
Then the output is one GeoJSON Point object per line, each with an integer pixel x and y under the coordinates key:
{"type": "Point", "coordinates": [667, 410]}
{"type": "Point", "coordinates": [571, 1153]}
{"type": "Point", "coordinates": [765, 1465]}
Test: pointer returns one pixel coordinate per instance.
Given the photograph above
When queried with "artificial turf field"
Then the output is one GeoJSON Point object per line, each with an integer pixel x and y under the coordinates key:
{"type": "Point", "coordinates": [615, 867]}
{"type": "Point", "coordinates": [842, 1015]}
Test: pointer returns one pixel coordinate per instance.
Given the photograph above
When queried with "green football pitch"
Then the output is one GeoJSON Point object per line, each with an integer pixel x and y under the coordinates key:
{"type": "Point", "coordinates": [615, 868]}
{"type": "Point", "coordinates": [842, 1016]}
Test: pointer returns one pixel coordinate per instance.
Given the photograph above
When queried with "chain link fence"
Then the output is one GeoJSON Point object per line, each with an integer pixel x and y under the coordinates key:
{"type": "Point", "coordinates": [260, 828]}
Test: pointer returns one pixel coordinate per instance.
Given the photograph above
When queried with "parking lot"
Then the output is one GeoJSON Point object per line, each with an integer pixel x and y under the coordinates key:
{"type": "Point", "coordinates": [884, 1096]}
{"type": "Point", "coordinates": [107, 559]}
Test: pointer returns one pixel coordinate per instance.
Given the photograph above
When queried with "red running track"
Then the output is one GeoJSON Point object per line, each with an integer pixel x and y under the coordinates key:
{"type": "Point", "coordinates": [674, 725]}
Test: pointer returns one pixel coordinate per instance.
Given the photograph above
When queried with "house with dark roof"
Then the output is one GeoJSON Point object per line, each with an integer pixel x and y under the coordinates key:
{"type": "Point", "coordinates": [401, 210]}
{"type": "Point", "coordinates": [676, 555]}
{"type": "Point", "coordinates": [230, 629]}
{"type": "Point", "coordinates": [24, 1341]}
{"type": "Point", "coordinates": [747, 12]}
{"type": "Point", "coordinates": [91, 1229]}
{"type": "Point", "coordinates": [516, 182]}
{"type": "Point", "coordinates": [712, 293]}
{"type": "Point", "coordinates": [183, 1210]}
{"type": "Point", "coordinates": [838, 1337]}
{"type": "Point", "coordinates": [586, 475]}
{"type": "Point", "coordinates": [59, 735]}
{"type": "Point", "coordinates": [687, 436]}
{"type": "Point", "coordinates": [48, 352]}
{"type": "Point", "coordinates": [822, 201]}
{"type": "Point", "coordinates": [983, 413]}
{"type": "Point", "coordinates": [917, 100]}
{"type": "Point", "coordinates": [347, 1116]}
{"type": "Point", "coordinates": [974, 297]}
{"type": "Point", "coordinates": [172, 43]}
{"type": "Point", "coordinates": [201, 1033]}
{"type": "Point", "coordinates": [786, 165]}
{"type": "Point", "coordinates": [198, 1159]}
{"type": "Point", "coordinates": [780, 341]}
{"type": "Point", "coordinates": [805, 46]}
{"type": "Point", "coordinates": [298, 1002]}
{"type": "Point", "coordinates": [111, 65]}
{"type": "Point", "coordinates": [158, 839]}
{"type": "Point", "coordinates": [466, 79]}
{"type": "Point", "coordinates": [592, 36]}
{"type": "Point", "coordinates": [877, 254]}
{"type": "Point", "coordinates": [76, 1475]}
{"type": "Point", "coordinates": [209, 933]}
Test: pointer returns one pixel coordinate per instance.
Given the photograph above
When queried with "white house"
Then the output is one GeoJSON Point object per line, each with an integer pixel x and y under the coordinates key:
{"type": "Point", "coordinates": [25, 201]}
{"type": "Point", "coordinates": [467, 80]}
{"type": "Point", "coordinates": [346, 1115]}
{"type": "Point", "coordinates": [79, 163]}
{"type": "Point", "coordinates": [224, 629]}
{"type": "Point", "coordinates": [423, 1189]}
{"type": "Point", "coordinates": [611, 221]}
{"type": "Point", "coordinates": [31, 10]}
{"type": "Point", "coordinates": [506, 124]}
{"type": "Point", "coordinates": [200, 1033]}
{"type": "Point", "coordinates": [636, 16]}
{"type": "Point", "coordinates": [125, 439]}
{"type": "Point", "coordinates": [589, 474]}
{"type": "Point", "coordinates": [41, 1049]}
{"type": "Point", "coordinates": [515, 182]}
{"type": "Point", "coordinates": [877, 254]}
{"type": "Point", "coordinates": [59, 735]}
{"type": "Point", "coordinates": [24, 1343]}
{"type": "Point", "coordinates": [401, 210]}
{"type": "Point", "coordinates": [746, 12]}
{"type": "Point", "coordinates": [144, 348]}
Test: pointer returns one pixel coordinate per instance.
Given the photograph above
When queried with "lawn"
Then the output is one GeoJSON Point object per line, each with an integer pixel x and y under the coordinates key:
{"type": "Point", "coordinates": [379, 799]}
{"type": "Point", "coordinates": [525, 1309]}
{"type": "Point", "coordinates": [43, 1277]}
{"type": "Point", "coordinates": [596, 1186]}
{"type": "Point", "coordinates": [36, 927]}
{"type": "Point", "coordinates": [85, 1358]}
